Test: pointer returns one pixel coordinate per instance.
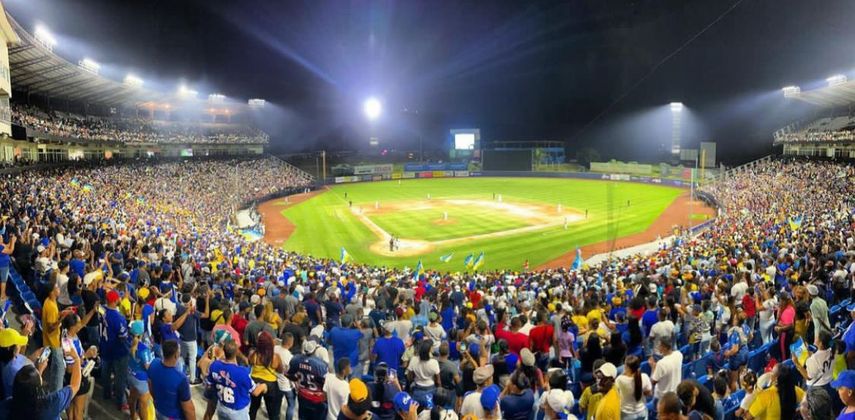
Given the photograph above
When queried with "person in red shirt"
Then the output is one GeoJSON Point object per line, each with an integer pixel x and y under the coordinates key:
{"type": "Point", "coordinates": [750, 307]}
{"type": "Point", "coordinates": [541, 338]}
{"type": "Point", "coordinates": [516, 340]}
{"type": "Point", "coordinates": [239, 322]}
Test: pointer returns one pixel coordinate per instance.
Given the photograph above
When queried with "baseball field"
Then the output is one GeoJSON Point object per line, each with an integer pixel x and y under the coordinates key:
{"type": "Point", "coordinates": [510, 220]}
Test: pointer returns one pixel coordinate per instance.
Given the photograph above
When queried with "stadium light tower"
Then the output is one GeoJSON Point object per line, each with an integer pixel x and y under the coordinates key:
{"type": "Point", "coordinates": [216, 98]}
{"type": "Point", "coordinates": [676, 119]}
{"type": "Point", "coordinates": [89, 64]}
{"type": "Point", "coordinates": [44, 37]}
{"type": "Point", "coordinates": [791, 91]}
{"type": "Point", "coordinates": [132, 81]}
{"type": "Point", "coordinates": [372, 108]}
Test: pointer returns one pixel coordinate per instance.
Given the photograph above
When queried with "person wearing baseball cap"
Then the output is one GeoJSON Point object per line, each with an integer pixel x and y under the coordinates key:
{"type": "Point", "coordinates": [609, 406]}
{"type": "Point", "coordinates": [138, 363]}
{"type": "Point", "coordinates": [307, 373]}
{"type": "Point", "coordinates": [557, 404]}
{"type": "Point", "coordinates": [358, 402]}
{"type": "Point", "coordinates": [845, 385]}
{"type": "Point", "coordinates": [483, 378]}
{"type": "Point", "coordinates": [490, 402]}
{"type": "Point", "coordinates": [11, 344]}
{"type": "Point", "coordinates": [405, 405]}
{"type": "Point", "coordinates": [115, 352]}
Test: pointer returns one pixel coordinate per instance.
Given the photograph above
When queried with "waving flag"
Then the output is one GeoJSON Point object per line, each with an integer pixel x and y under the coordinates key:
{"type": "Point", "coordinates": [345, 257]}
{"type": "Point", "coordinates": [468, 261]}
{"type": "Point", "coordinates": [446, 258]}
{"type": "Point", "coordinates": [795, 222]}
{"type": "Point", "coordinates": [577, 263]}
{"type": "Point", "coordinates": [478, 261]}
{"type": "Point", "coordinates": [419, 270]}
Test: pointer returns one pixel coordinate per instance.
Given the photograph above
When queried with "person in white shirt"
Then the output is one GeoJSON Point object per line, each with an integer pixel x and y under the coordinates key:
{"type": "Point", "coordinates": [668, 371]}
{"type": "Point", "coordinates": [337, 387]}
{"type": "Point", "coordinates": [662, 330]}
{"type": "Point", "coordinates": [284, 352]}
{"type": "Point", "coordinates": [633, 386]}
{"type": "Point", "coordinates": [740, 288]}
{"type": "Point", "coordinates": [817, 370]}
{"type": "Point", "coordinates": [423, 373]}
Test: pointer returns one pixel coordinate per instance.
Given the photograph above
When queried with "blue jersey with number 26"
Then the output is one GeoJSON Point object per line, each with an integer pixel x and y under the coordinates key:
{"type": "Point", "coordinates": [233, 384]}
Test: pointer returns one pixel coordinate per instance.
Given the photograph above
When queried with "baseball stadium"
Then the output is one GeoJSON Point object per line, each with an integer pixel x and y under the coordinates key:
{"type": "Point", "coordinates": [421, 210]}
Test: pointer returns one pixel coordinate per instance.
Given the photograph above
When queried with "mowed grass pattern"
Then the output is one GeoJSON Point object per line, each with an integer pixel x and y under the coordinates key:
{"type": "Point", "coordinates": [325, 223]}
{"type": "Point", "coordinates": [428, 224]}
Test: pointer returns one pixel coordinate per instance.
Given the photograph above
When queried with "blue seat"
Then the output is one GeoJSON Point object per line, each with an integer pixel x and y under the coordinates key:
{"type": "Point", "coordinates": [645, 367]}
{"type": "Point", "coordinates": [688, 371]}
{"type": "Point", "coordinates": [705, 381]}
{"type": "Point", "coordinates": [700, 366]}
{"type": "Point", "coordinates": [688, 351]}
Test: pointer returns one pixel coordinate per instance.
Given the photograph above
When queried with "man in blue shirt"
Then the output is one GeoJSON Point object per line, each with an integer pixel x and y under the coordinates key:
{"type": "Point", "coordinates": [114, 350]}
{"type": "Point", "coordinates": [388, 349]}
{"type": "Point", "coordinates": [308, 374]}
{"type": "Point", "coordinates": [233, 384]}
{"type": "Point", "coordinates": [188, 333]}
{"type": "Point", "coordinates": [169, 387]}
{"type": "Point", "coordinates": [345, 341]}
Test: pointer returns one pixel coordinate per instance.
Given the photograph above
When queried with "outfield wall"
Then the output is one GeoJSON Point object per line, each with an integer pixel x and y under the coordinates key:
{"type": "Point", "coordinates": [514, 174]}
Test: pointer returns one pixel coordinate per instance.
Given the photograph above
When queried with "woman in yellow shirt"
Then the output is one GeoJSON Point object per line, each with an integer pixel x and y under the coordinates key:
{"type": "Point", "coordinates": [779, 401]}
{"type": "Point", "coordinates": [265, 364]}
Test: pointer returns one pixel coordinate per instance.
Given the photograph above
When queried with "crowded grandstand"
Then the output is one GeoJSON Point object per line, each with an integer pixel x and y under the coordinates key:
{"type": "Point", "coordinates": [130, 288]}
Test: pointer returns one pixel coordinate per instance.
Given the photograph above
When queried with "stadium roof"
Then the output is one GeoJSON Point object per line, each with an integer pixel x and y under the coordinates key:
{"type": "Point", "coordinates": [38, 70]}
{"type": "Point", "coordinates": [829, 96]}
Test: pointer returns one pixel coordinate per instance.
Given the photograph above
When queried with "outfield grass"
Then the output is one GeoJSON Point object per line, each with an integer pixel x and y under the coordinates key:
{"type": "Point", "coordinates": [325, 223]}
{"type": "Point", "coordinates": [430, 225]}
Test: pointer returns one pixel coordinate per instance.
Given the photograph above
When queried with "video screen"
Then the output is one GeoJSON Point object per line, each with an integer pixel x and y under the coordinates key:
{"type": "Point", "coordinates": [464, 141]}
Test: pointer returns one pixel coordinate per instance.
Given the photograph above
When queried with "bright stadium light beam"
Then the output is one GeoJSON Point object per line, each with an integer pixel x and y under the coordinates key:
{"type": "Point", "coordinates": [837, 79]}
{"type": "Point", "coordinates": [185, 92]}
{"type": "Point", "coordinates": [791, 91]}
{"type": "Point", "coordinates": [676, 106]}
{"type": "Point", "coordinates": [44, 37]}
{"type": "Point", "coordinates": [90, 65]}
{"type": "Point", "coordinates": [256, 103]}
{"type": "Point", "coordinates": [216, 98]}
{"type": "Point", "coordinates": [133, 81]}
{"type": "Point", "coordinates": [372, 108]}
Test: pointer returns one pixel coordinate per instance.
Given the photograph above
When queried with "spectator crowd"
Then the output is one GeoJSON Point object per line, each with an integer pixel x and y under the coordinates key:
{"type": "Point", "coordinates": [133, 130]}
{"type": "Point", "coordinates": [138, 278]}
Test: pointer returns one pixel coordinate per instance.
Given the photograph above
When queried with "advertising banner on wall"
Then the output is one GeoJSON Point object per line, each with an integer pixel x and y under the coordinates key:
{"type": "Point", "coordinates": [408, 175]}
{"type": "Point", "coordinates": [426, 174]}
{"type": "Point", "coordinates": [373, 169]}
{"type": "Point", "coordinates": [461, 173]}
{"type": "Point", "coordinates": [439, 174]}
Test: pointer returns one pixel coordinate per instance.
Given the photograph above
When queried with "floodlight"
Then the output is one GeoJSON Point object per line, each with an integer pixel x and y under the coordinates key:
{"type": "Point", "coordinates": [89, 65]}
{"type": "Point", "coordinates": [186, 92]}
{"type": "Point", "coordinates": [133, 81]}
{"type": "Point", "coordinates": [676, 106]}
{"type": "Point", "coordinates": [256, 103]}
{"type": "Point", "coordinates": [372, 108]}
{"type": "Point", "coordinates": [44, 37]}
{"type": "Point", "coordinates": [837, 79]}
{"type": "Point", "coordinates": [791, 91]}
{"type": "Point", "coordinates": [216, 98]}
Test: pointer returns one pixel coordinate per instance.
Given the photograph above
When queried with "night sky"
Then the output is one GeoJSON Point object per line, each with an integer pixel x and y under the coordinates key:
{"type": "Point", "coordinates": [519, 70]}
